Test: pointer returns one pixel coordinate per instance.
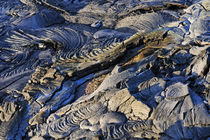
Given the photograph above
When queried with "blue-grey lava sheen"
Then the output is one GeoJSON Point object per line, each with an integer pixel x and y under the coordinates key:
{"type": "Point", "coordinates": [104, 69]}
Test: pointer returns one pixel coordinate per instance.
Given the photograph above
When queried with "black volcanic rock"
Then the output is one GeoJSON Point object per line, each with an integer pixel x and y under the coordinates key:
{"type": "Point", "coordinates": [123, 69]}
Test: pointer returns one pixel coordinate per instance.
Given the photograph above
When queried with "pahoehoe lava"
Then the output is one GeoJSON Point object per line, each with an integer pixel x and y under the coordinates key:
{"type": "Point", "coordinates": [104, 70]}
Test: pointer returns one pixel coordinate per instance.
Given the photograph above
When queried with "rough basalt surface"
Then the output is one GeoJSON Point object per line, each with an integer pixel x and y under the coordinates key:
{"type": "Point", "coordinates": [104, 70]}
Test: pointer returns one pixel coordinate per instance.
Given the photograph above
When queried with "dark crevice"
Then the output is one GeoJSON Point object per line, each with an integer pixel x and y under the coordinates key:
{"type": "Point", "coordinates": [57, 90]}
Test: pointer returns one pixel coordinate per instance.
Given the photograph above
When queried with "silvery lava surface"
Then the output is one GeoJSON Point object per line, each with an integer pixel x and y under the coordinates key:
{"type": "Point", "coordinates": [95, 69]}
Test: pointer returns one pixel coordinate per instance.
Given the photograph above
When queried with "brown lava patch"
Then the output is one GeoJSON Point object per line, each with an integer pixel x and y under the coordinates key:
{"type": "Point", "coordinates": [143, 53]}
{"type": "Point", "coordinates": [94, 84]}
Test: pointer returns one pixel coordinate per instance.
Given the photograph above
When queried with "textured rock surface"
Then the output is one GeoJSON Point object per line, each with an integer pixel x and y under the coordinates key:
{"type": "Point", "coordinates": [97, 70]}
